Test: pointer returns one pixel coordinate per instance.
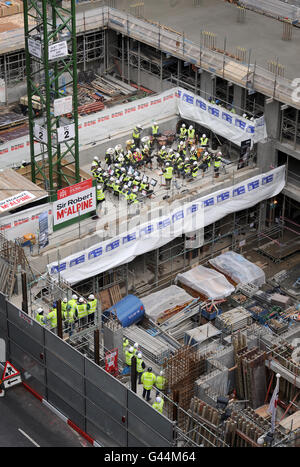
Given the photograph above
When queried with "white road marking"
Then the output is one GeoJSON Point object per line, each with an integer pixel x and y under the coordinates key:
{"type": "Point", "coordinates": [28, 437]}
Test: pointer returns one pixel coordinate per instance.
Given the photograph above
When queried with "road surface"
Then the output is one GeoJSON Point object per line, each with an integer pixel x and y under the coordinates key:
{"type": "Point", "coordinates": [26, 422]}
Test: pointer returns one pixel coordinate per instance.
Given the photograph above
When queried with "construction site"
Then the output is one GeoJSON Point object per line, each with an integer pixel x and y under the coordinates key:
{"type": "Point", "coordinates": [150, 215]}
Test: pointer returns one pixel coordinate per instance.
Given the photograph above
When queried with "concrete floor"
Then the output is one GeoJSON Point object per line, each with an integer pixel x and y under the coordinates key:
{"type": "Point", "coordinates": [260, 34]}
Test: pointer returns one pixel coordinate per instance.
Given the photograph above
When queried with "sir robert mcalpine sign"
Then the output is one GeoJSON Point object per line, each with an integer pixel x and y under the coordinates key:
{"type": "Point", "coordinates": [74, 201]}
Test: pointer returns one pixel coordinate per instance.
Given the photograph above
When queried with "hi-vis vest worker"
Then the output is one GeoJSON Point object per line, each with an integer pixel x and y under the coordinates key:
{"type": "Point", "coordinates": [73, 302]}
{"type": "Point", "coordinates": [92, 302]}
{"type": "Point", "coordinates": [140, 365]}
{"type": "Point", "coordinates": [39, 317]}
{"type": "Point", "coordinates": [136, 132]}
{"type": "Point", "coordinates": [183, 131]}
{"type": "Point", "coordinates": [128, 356]}
{"type": "Point", "coordinates": [168, 174]}
{"type": "Point", "coordinates": [125, 343]}
{"type": "Point", "coordinates": [161, 381]}
{"type": "Point", "coordinates": [70, 314]}
{"type": "Point", "coordinates": [191, 132]}
{"type": "Point", "coordinates": [100, 193]}
{"type": "Point", "coordinates": [52, 316]}
{"type": "Point", "coordinates": [158, 404]}
{"type": "Point", "coordinates": [148, 379]}
{"type": "Point", "coordinates": [155, 129]}
{"type": "Point", "coordinates": [82, 308]}
{"type": "Point", "coordinates": [204, 140]}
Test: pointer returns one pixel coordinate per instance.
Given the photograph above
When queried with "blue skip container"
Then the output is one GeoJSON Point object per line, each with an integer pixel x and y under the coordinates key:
{"type": "Point", "coordinates": [129, 310]}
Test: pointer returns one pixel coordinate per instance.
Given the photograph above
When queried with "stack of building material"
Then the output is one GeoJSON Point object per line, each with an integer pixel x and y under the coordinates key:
{"type": "Point", "coordinates": [153, 348]}
{"type": "Point", "coordinates": [205, 282]}
{"type": "Point", "coordinates": [11, 7]}
{"type": "Point", "coordinates": [232, 320]}
{"type": "Point", "coordinates": [280, 300]}
{"type": "Point", "coordinates": [163, 304]}
{"type": "Point", "coordinates": [200, 335]}
{"type": "Point", "coordinates": [247, 289]}
{"type": "Point", "coordinates": [238, 268]}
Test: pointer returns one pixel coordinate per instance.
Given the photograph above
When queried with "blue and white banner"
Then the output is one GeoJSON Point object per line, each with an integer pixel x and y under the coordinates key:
{"type": "Point", "coordinates": [161, 230]}
{"type": "Point", "coordinates": [220, 120]}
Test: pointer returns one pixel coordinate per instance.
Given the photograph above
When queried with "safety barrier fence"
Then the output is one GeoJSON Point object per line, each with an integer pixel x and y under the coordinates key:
{"type": "Point", "coordinates": [96, 402]}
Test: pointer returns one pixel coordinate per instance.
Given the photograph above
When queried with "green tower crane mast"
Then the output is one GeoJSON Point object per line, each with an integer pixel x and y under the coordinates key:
{"type": "Point", "coordinates": [51, 71]}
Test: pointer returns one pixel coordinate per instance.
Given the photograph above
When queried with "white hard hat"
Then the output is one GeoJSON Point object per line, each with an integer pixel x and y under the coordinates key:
{"type": "Point", "coordinates": [154, 123]}
{"type": "Point", "coordinates": [81, 299]}
{"type": "Point", "coordinates": [110, 150]}
{"type": "Point", "coordinates": [167, 164]}
{"type": "Point", "coordinates": [195, 163]}
{"type": "Point", "coordinates": [74, 296]}
{"type": "Point", "coordinates": [135, 345]}
{"type": "Point", "coordinates": [65, 300]}
{"type": "Point", "coordinates": [163, 147]}
{"type": "Point", "coordinates": [139, 355]}
{"type": "Point", "coordinates": [158, 399]}
{"type": "Point", "coordinates": [130, 349]}
{"type": "Point", "coordinates": [203, 136]}
{"type": "Point", "coordinates": [181, 143]}
{"type": "Point", "coordinates": [183, 125]}
{"type": "Point", "coordinates": [244, 115]}
{"type": "Point", "coordinates": [186, 159]}
{"type": "Point", "coordinates": [161, 373]}
{"type": "Point", "coordinates": [125, 186]}
{"type": "Point", "coordinates": [39, 310]}
{"type": "Point", "coordinates": [91, 297]}
{"type": "Point", "coordinates": [99, 187]}
{"type": "Point", "coordinates": [206, 153]}
{"type": "Point", "coordinates": [190, 127]}
{"type": "Point", "coordinates": [193, 148]}
{"type": "Point", "coordinates": [96, 158]}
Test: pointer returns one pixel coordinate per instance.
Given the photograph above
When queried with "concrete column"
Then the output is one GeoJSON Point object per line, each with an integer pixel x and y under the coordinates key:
{"type": "Point", "coordinates": [272, 119]}
{"type": "Point", "coordinates": [238, 101]}
{"type": "Point", "coordinates": [266, 155]}
{"type": "Point", "coordinates": [206, 85]}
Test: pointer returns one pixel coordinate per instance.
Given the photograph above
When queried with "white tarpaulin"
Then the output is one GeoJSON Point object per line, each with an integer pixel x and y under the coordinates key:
{"type": "Point", "coordinates": [156, 303]}
{"type": "Point", "coordinates": [207, 282]}
{"type": "Point", "coordinates": [239, 269]}
{"type": "Point", "coordinates": [220, 120]}
{"type": "Point", "coordinates": [160, 231]}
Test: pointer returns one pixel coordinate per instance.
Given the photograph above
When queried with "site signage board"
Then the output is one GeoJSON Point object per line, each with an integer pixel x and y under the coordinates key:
{"type": "Point", "coordinates": [74, 201]}
{"type": "Point", "coordinates": [58, 50]}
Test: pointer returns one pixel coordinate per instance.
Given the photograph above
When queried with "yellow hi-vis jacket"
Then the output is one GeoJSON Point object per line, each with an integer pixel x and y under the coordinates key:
{"type": "Point", "coordinates": [148, 379]}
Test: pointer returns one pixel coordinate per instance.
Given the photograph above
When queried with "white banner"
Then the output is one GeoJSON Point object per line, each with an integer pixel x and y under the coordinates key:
{"type": "Point", "coordinates": [161, 230]}
{"type": "Point", "coordinates": [220, 120]}
{"type": "Point", "coordinates": [121, 118]}
{"type": "Point", "coordinates": [27, 221]}
{"type": "Point", "coordinates": [105, 124]}
{"type": "Point", "coordinates": [15, 200]}
{"type": "Point", "coordinates": [76, 201]}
